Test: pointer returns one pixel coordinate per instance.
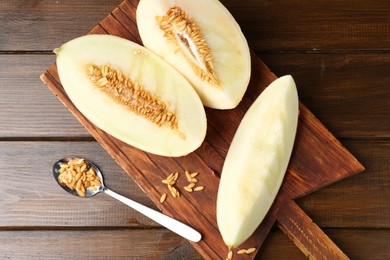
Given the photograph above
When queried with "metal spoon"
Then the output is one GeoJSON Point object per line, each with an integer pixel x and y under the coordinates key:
{"type": "Point", "coordinates": [168, 222]}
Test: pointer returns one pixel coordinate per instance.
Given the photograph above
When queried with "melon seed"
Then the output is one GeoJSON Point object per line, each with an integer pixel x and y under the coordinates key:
{"type": "Point", "coordinates": [187, 36]}
{"type": "Point", "coordinates": [131, 94]}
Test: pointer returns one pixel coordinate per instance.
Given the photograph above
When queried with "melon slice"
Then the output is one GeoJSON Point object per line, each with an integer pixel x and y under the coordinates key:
{"type": "Point", "coordinates": [202, 40]}
{"type": "Point", "coordinates": [257, 161]}
{"type": "Point", "coordinates": [132, 94]}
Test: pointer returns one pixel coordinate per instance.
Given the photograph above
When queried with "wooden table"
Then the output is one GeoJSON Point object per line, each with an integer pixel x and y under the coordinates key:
{"type": "Point", "coordinates": [339, 55]}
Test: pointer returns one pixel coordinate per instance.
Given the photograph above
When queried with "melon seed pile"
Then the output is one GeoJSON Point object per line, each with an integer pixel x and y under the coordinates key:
{"type": "Point", "coordinates": [187, 36]}
{"type": "Point", "coordinates": [77, 175]}
{"type": "Point", "coordinates": [131, 94]}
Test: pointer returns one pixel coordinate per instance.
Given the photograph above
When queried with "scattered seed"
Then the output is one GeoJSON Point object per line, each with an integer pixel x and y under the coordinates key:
{"type": "Point", "coordinates": [176, 176]}
{"type": "Point", "coordinates": [163, 197]}
{"type": "Point", "coordinates": [171, 182]}
{"type": "Point", "coordinates": [195, 180]}
{"type": "Point", "coordinates": [187, 188]}
{"type": "Point", "coordinates": [241, 252]}
{"type": "Point", "coordinates": [191, 185]}
{"type": "Point", "coordinates": [230, 255]}
{"type": "Point", "coordinates": [250, 250]}
{"type": "Point", "coordinates": [188, 175]}
{"type": "Point", "coordinates": [194, 174]}
{"type": "Point", "coordinates": [175, 193]}
{"type": "Point", "coordinates": [171, 176]}
{"type": "Point", "coordinates": [199, 188]}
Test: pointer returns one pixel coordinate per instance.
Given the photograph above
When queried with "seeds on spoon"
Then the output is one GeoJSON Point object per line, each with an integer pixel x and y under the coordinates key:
{"type": "Point", "coordinates": [77, 175]}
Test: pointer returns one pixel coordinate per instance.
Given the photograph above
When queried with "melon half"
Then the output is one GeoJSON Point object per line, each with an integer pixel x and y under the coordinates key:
{"type": "Point", "coordinates": [256, 161]}
{"type": "Point", "coordinates": [132, 94]}
{"type": "Point", "coordinates": [202, 40]}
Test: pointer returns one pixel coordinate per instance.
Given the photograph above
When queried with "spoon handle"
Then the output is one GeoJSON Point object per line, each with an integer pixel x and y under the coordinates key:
{"type": "Point", "coordinates": [168, 222]}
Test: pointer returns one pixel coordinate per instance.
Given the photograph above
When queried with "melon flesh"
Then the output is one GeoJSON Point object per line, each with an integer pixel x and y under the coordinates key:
{"type": "Point", "coordinates": [139, 65]}
{"type": "Point", "coordinates": [257, 161]}
{"type": "Point", "coordinates": [229, 49]}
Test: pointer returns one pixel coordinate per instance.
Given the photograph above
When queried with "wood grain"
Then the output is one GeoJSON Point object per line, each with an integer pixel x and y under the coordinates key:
{"type": "Point", "coordinates": [328, 207]}
{"type": "Point", "coordinates": [55, 208]}
{"type": "Point", "coordinates": [85, 244]}
{"type": "Point", "coordinates": [303, 231]}
{"type": "Point", "coordinates": [163, 244]}
{"type": "Point", "coordinates": [30, 189]}
{"type": "Point", "coordinates": [337, 51]}
{"type": "Point", "coordinates": [34, 25]}
{"type": "Point", "coordinates": [334, 87]}
{"type": "Point", "coordinates": [323, 81]}
{"type": "Point", "coordinates": [305, 174]}
{"type": "Point", "coordinates": [38, 111]}
{"type": "Point", "coordinates": [356, 243]}
{"type": "Point", "coordinates": [269, 25]}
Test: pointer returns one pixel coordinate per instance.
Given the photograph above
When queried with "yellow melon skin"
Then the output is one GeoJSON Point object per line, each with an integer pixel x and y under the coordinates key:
{"type": "Point", "coordinates": [229, 48]}
{"type": "Point", "coordinates": [257, 160]}
{"type": "Point", "coordinates": [150, 71]}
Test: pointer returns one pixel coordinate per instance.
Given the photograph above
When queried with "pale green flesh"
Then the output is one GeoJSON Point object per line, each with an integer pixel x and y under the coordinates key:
{"type": "Point", "coordinates": [257, 161]}
{"type": "Point", "coordinates": [223, 35]}
{"type": "Point", "coordinates": [154, 74]}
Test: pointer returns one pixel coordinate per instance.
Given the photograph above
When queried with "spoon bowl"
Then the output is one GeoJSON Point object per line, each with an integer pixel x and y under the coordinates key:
{"type": "Point", "coordinates": [88, 192]}
{"type": "Point", "coordinates": [164, 220]}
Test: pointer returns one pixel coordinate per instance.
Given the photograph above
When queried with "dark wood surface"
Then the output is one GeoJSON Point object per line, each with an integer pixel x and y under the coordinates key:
{"type": "Point", "coordinates": [318, 160]}
{"type": "Point", "coordinates": [338, 52]}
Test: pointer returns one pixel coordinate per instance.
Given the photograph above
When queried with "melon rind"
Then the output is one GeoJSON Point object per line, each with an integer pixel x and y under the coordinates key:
{"type": "Point", "coordinates": [223, 35]}
{"type": "Point", "coordinates": [256, 161]}
{"type": "Point", "coordinates": [153, 73]}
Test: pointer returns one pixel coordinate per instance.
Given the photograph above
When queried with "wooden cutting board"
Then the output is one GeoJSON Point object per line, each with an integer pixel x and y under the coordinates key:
{"type": "Point", "coordinates": [318, 160]}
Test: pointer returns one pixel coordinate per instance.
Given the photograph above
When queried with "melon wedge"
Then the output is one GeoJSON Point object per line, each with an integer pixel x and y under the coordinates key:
{"type": "Point", "coordinates": [256, 161]}
{"type": "Point", "coordinates": [132, 94]}
{"type": "Point", "coordinates": [202, 40]}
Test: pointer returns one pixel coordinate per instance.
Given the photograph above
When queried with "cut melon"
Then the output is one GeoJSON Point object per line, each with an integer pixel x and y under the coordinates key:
{"type": "Point", "coordinates": [202, 40]}
{"type": "Point", "coordinates": [132, 94]}
{"type": "Point", "coordinates": [256, 161]}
